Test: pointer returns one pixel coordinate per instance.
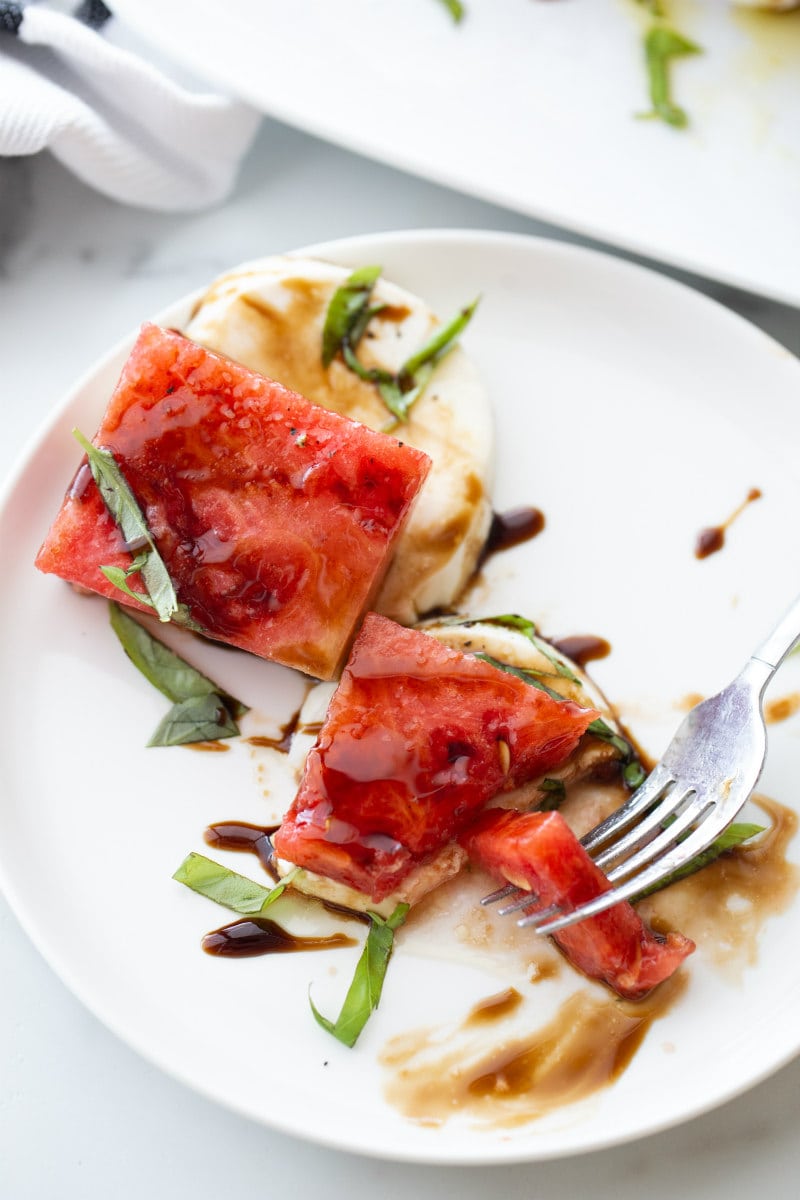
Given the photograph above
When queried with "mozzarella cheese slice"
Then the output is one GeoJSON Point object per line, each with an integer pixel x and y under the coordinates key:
{"type": "Point", "coordinates": [269, 315]}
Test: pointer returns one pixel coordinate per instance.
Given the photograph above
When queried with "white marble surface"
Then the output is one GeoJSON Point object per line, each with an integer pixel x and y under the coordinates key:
{"type": "Point", "coordinates": [81, 1116]}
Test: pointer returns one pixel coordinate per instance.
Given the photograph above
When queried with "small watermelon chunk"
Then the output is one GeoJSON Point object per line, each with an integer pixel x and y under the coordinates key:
{"type": "Point", "coordinates": [539, 852]}
{"type": "Point", "coordinates": [275, 518]}
{"type": "Point", "coordinates": [416, 739]}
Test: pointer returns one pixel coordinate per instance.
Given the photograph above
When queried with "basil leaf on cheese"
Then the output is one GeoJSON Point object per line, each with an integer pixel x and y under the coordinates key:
{"type": "Point", "coordinates": [364, 992]}
{"type": "Point", "coordinates": [661, 45]}
{"type": "Point", "coordinates": [415, 373]}
{"type": "Point", "coordinates": [346, 318]}
{"type": "Point", "coordinates": [528, 629]}
{"type": "Point", "coordinates": [226, 887]}
{"type": "Point", "coordinates": [734, 835]}
{"type": "Point", "coordinates": [202, 711]}
{"type": "Point", "coordinates": [522, 673]}
{"type": "Point", "coordinates": [124, 509]}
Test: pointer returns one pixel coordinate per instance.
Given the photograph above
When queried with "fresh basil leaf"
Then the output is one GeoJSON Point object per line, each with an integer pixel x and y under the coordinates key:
{"type": "Point", "coordinates": [195, 719]}
{"type": "Point", "coordinates": [455, 8]}
{"type": "Point", "coordinates": [553, 794]}
{"type": "Point", "coordinates": [415, 373]}
{"type": "Point", "coordinates": [346, 326]}
{"type": "Point", "coordinates": [394, 399]}
{"type": "Point", "coordinates": [733, 836]}
{"type": "Point", "coordinates": [364, 992]}
{"type": "Point", "coordinates": [344, 320]}
{"type": "Point", "coordinates": [370, 374]}
{"type": "Point", "coordinates": [634, 774]}
{"type": "Point", "coordinates": [661, 45]}
{"type": "Point", "coordinates": [123, 507]}
{"type": "Point", "coordinates": [172, 675]}
{"type": "Point", "coordinates": [440, 344]}
{"type": "Point", "coordinates": [520, 672]}
{"type": "Point", "coordinates": [226, 887]}
{"type": "Point", "coordinates": [529, 630]}
{"type": "Point", "coordinates": [602, 730]}
{"type": "Point", "coordinates": [119, 578]}
{"type": "Point", "coordinates": [361, 322]}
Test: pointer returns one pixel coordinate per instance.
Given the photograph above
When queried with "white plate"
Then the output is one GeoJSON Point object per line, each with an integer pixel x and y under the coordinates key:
{"type": "Point", "coordinates": [533, 106]}
{"type": "Point", "coordinates": [633, 412]}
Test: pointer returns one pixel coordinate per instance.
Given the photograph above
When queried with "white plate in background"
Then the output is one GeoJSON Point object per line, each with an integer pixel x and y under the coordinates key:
{"type": "Point", "coordinates": [533, 105]}
{"type": "Point", "coordinates": [633, 412]}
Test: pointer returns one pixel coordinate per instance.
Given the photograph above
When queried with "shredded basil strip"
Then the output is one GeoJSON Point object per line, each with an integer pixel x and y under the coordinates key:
{"type": "Point", "coordinates": [226, 887]}
{"type": "Point", "coordinates": [521, 673]}
{"type": "Point", "coordinates": [553, 792]}
{"type": "Point", "coordinates": [733, 836]}
{"type": "Point", "coordinates": [124, 509]}
{"type": "Point", "coordinates": [634, 774]}
{"type": "Point", "coordinates": [415, 373]}
{"type": "Point", "coordinates": [601, 729]}
{"type": "Point", "coordinates": [529, 630]}
{"type": "Point", "coordinates": [661, 45]}
{"type": "Point", "coordinates": [346, 318]}
{"type": "Point", "coordinates": [201, 710]}
{"type": "Point", "coordinates": [364, 992]}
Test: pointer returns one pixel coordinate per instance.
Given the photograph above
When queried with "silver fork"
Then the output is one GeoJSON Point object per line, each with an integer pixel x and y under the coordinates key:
{"type": "Point", "coordinates": [708, 771]}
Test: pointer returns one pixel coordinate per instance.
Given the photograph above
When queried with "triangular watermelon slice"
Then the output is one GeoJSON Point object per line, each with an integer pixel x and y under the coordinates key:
{"type": "Point", "coordinates": [539, 853]}
{"type": "Point", "coordinates": [416, 739]}
{"type": "Point", "coordinates": [275, 518]}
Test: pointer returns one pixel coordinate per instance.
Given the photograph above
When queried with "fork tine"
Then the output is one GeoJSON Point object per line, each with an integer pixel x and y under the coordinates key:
{"type": "Point", "coordinates": [544, 914]}
{"type": "Point", "coordinates": [524, 901]}
{"type": "Point", "coordinates": [659, 779]}
{"type": "Point", "coordinates": [692, 815]}
{"type": "Point", "coordinates": [642, 832]}
{"type": "Point", "coordinates": [694, 844]}
{"type": "Point", "coordinates": [501, 893]}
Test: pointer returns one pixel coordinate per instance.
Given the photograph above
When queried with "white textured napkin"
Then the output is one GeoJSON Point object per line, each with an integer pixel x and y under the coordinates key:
{"type": "Point", "coordinates": [118, 122]}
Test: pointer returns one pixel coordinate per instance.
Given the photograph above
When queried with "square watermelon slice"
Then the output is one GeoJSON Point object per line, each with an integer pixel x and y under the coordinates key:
{"type": "Point", "coordinates": [275, 518]}
{"type": "Point", "coordinates": [417, 738]}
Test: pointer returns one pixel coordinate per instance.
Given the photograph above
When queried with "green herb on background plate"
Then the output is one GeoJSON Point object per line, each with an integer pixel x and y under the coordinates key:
{"type": "Point", "coordinates": [661, 45]}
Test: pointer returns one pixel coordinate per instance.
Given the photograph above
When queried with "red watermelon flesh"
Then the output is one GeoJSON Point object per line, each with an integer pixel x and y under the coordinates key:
{"type": "Point", "coordinates": [275, 518]}
{"type": "Point", "coordinates": [539, 852]}
{"type": "Point", "coordinates": [416, 739]}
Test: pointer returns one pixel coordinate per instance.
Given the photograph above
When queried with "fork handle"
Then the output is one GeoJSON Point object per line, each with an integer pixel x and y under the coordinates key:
{"type": "Point", "coordinates": [783, 639]}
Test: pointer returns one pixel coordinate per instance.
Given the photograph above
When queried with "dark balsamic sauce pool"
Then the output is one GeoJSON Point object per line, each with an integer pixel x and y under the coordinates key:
{"type": "Point", "coordinates": [512, 528]}
{"type": "Point", "coordinates": [259, 935]}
